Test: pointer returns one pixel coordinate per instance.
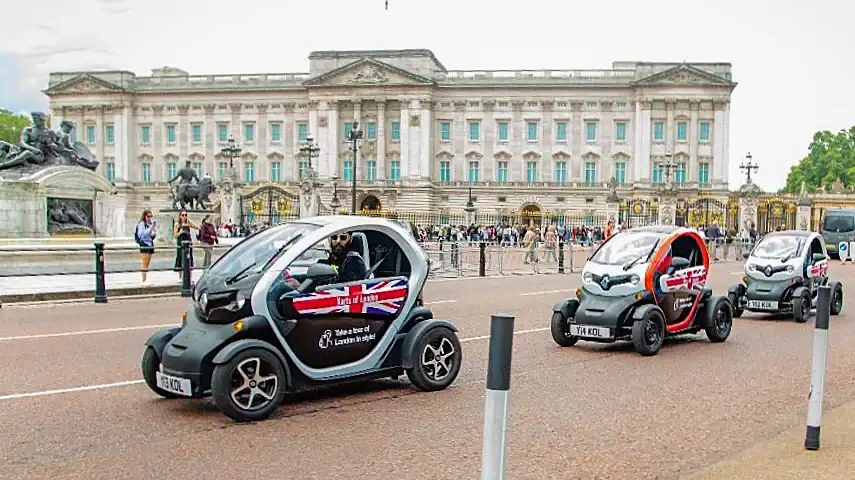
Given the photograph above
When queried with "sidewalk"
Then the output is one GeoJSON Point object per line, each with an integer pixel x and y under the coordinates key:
{"type": "Point", "coordinates": [784, 457]}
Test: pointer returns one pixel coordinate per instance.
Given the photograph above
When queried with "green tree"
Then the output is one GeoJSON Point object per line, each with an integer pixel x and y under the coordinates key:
{"type": "Point", "coordinates": [831, 157]}
{"type": "Point", "coordinates": [11, 126]}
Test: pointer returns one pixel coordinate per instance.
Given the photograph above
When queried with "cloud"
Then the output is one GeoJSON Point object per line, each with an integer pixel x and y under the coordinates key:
{"type": "Point", "coordinates": [16, 88]}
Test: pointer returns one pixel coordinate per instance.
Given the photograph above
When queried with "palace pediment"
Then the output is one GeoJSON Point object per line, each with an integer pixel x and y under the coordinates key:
{"type": "Point", "coordinates": [684, 75]}
{"type": "Point", "coordinates": [367, 72]}
{"type": "Point", "coordinates": [84, 83]}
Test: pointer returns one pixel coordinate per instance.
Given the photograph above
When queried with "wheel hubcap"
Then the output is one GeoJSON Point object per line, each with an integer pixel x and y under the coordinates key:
{"type": "Point", "coordinates": [437, 358]}
{"type": "Point", "coordinates": [651, 333]}
{"type": "Point", "coordinates": [253, 387]}
{"type": "Point", "coordinates": [721, 321]}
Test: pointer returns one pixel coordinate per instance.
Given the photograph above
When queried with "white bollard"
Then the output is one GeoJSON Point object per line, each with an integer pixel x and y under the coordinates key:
{"type": "Point", "coordinates": [843, 251]}
{"type": "Point", "coordinates": [817, 373]}
{"type": "Point", "coordinates": [493, 457]}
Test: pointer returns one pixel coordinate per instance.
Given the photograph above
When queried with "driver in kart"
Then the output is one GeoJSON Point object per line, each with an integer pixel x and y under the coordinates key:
{"type": "Point", "coordinates": [344, 257]}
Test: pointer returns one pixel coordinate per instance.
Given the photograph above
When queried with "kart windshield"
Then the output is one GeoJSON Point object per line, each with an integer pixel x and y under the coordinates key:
{"type": "Point", "coordinates": [777, 246]}
{"type": "Point", "coordinates": [258, 251]}
{"type": "Point", "coordinates": [627, 248]}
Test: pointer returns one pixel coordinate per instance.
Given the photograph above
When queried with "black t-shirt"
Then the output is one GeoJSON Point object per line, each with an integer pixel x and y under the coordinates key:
{"type": "Point", "coordinates": [350, 264]}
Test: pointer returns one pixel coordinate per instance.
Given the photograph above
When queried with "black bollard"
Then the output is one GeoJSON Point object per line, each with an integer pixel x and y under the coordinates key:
{"type": "Point", "coordinates": [561, 256]}
{"type": "Point", "coordinates": [100, 285]}
{"type": "Point", "coordinates": [186, 251]}
{"type": "Point", "coordinates": [482, 263]}
{"type": "Point", "coordinates": [817, 374]}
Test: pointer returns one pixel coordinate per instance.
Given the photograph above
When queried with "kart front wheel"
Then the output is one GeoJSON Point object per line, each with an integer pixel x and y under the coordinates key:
{"type": "Point", "coordinates": [437, 363]}
{"type": "Point", "coordinates": [801, 306]}
{"type": "Point", "coordinates": [836, 298]}
{"type": "Point", "coordinates": [250, 386]}
{"type": "Point", "coordinates": [561, 331]}
{"type": "Point", "coordinates": [734, 305]}
{"type": "Point", "coordinates": [719, 319]}
{"type": "Point", "coordinates": [648, 334]}
{"type": "Point", "coordinates": [150, 365]}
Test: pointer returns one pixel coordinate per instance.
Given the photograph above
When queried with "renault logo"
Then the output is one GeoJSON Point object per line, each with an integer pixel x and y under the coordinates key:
{"type": "Point", "coordinates": [605, 282]}
{"type": "Point", "coordinates": [768, 270]}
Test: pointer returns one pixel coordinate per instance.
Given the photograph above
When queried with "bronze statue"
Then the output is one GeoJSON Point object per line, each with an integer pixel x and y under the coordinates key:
{"type": "Point", "coordinates": [612, 196]}
{"type": "Point", "coordinates": [194, 195]}
{"type": "Point", "coordinates": [64, 216]}
{"type": "Point", "coordinates": [187, 175]}
{"type": "Point", "coordinates": [40, 147]}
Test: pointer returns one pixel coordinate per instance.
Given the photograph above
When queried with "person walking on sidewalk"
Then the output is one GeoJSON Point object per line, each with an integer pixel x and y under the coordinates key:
{"type": "Point", "coordinates": [208, 237]}
{"type": "Point", "coordinates": [144, 234]}
{"type": "Point", "coordinates": [181, 232]}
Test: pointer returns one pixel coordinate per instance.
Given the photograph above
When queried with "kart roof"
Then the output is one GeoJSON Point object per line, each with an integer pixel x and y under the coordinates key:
{"type": "Point", "coordinates": [346, 221]}
{"type": "Point", "coordinates": [662, 229]}
{"type": "Point", "coordinates": [789, 233]}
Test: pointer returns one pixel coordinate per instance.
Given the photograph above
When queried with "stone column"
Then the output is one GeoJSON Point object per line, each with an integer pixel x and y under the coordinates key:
{"type": "Point", "coordinates": [289, 143]}
{"type": "Point", "coordinates": [211, 150]}
{"type": "Point", "coordinates": [694, 130]}
{"type": "Point", "coordinates": [123, 136]}
{"type": "Point", "coordinates": [725, 169]}
{"type": "Point", "coordinates": [719, 129]}
{"type": "Point", "coordinates": [406, 158]}
{"type": "Point", "coordinates": [359, 162]}
{"type": "Point", "coordinates": [425, 126]}
{"type": "Point", "coordinates": [100, 133]}
{"type": "Point", "coordinates": [184, 135]}
{"type": "Point", "coordinates": [328, 161]}
{"type": "Point", "coordinates": [157, 168]}
{"type": "Point", "coordinates": [803, 216]}
{"type": "Point", "coordinates": [643, 165]}
{"type": "Point", "coordinates": [381, 139]}
{"type": "Point", "coordinates": [236, 125]}
{"type": "Point", "coordinates": [261, 141]}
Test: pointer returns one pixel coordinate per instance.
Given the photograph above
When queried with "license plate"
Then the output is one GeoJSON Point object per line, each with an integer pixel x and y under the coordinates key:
{"type": "Point", "coordinates": [590, 332]}
{"type": "Point", "coordinates": [831, 245]}
{"type": "Point", "coordinates": [762, 305]}
{"type": "Point", "coordinates": [178, 386]}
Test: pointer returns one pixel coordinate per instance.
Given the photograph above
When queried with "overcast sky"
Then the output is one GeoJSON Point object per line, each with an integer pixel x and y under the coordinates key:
{"type": "Point", "coordinates": [793, 60]}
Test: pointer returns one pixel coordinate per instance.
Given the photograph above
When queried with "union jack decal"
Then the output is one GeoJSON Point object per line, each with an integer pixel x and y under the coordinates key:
{"type": "Point", "coordinates": [377, 297]}
{"type": "Point", "coordinates": [818, 270]}
{"type": "Point", "coordinates": [693, 279]}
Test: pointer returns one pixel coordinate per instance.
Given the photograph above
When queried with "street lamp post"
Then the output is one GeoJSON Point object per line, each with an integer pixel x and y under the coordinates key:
{"type": "Point", "coordinates": [231, 151]}
{"type": "Point", "coordinates": [335, 204]}
{"type": "Point", "coordinates": [748, 165]}
{"type": "Point", "coordinates": [669, 165]}
{"type": "Point", "coordinates": [354, 137]}
{"type": "Point", "coordinates": [310, 149]}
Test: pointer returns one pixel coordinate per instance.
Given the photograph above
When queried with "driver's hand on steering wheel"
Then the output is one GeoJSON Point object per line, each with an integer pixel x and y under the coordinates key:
{"type": "Point", "coordinates": [292, 282]}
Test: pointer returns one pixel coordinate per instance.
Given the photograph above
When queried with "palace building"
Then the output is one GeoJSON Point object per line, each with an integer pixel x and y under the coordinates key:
{"type": "Point", "coordinates": [535, 141]}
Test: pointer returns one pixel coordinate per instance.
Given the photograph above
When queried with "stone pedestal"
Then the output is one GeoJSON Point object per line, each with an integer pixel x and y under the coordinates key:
{"type": "Point", "coordinates": [613, 212]}
{"type": "Point", "coordinates": [667, 210]}
{"type": "Point", "coordinates": [803, 216]}
{"type": "Point", "coordinates": [748, 194]}
{"type": "Point", "coordinates": [24, 209]}
{"type": "Point", "coordinates": [229, 198]}
{"type": "Point", "coordinates": [310, 194]}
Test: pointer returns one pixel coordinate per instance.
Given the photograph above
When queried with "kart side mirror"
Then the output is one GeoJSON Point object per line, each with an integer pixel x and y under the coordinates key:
{"type": "Point", "coordinates": [320, 273]}
{"type": "Point", "coordinates": [745, 255]}
{"type": "Point", "coordinates": [818, 257]}
{"type": "Point", "coordinates": [679, 262]}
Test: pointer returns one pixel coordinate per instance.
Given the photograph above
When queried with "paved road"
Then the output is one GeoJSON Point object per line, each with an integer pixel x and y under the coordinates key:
{"type": "Point", "coordinates": [592, 411]}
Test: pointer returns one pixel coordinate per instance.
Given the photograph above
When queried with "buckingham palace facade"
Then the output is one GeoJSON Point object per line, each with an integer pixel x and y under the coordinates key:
{"type": "Point", "coordinates": [540, 139]}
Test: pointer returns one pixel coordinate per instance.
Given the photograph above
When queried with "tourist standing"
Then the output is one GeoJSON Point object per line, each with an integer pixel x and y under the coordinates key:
{"type": "Point", "coordinates": [144, 234]}
{"type": "Point", "coordinates": [208, 236]}
{"type": "Point", "coordinates": [181, 232]}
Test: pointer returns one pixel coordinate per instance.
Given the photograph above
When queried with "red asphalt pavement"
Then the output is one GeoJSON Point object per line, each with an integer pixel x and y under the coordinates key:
{"type": "Point", "coordinates": [591, 411]}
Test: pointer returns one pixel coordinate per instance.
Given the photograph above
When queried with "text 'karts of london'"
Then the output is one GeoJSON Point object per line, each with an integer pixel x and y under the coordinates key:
{"type": "Point", "coordinates": [313, 302]}
{"type": "Point", "coordinates": [642, 285]}
{"type": "Point", "coordinates": [783, 274]}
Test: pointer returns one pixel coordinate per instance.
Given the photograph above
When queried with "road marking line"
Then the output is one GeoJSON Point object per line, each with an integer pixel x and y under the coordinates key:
{"type": "Point", "coordinates": [15, 396]}
{"type": "Point", "coordinates": [127, 383]}
{"type": "Point", "coordinates": [87, 332]}
{"type": "Point", "coordinates": [545, 292]}
{"type": "Point", "coordinates": [127, 329]}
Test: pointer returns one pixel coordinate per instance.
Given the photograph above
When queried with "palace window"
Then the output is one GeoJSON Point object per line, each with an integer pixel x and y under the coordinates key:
{"type": "Point", "coordinates": [620, 131]}
{"type": "Point", "coordinates": [371, 131]}
{"type": "Point", "coordinates": [704, 173]}
{"type": "Point", "coordinates": [275, 132]}
{"type": "Point", "coordinates": [396, 131]}
{"type": "Point", "coordinates": [171, 170]}
{"type": "Point", "coordinates": [302, 132]}
{"type": "Point", "coordinates": [395, 169]}
{"type": "Point", "coordinates": [590, 173]}
{"type": "Point", "coordinates": [347, 170]}
{"type": "Point", "coordinates": [111, 172]}
{"type": "Point", "coordinates": [145, 172]}
{"type": "Point", "coordinates": [445, 131]}
{"type": "Point", "coordinates": [145, 134]}
{"type": "Point", "coordinates": [658, 131]}
{"type": "Point", "coordinates": [221, 170]}
{"type": "Point", "coordinates": [531, 131]}
{"type": "Point", "coordinates": [445, 171]}
{"type": "Point", "coordinates": [680, 177]}
{"type": "Point", "coordinates": [503, 131]}
{"type": "Point", "coordinates": [249, 171]}
{"type": "Point", "coordinates": [620, 172]}
{"type": "Point", "coordinates": [90, 134]}
{"type": "Point", "coordinates": [276, 171]}
{"type": "Point", "coordinates": [658, 171]}
{"type": "Point", "coordinates": [682, 131]}
{"type": "Point", "coordinates": [223, 132]}
{"type": "Point", "coordinates": [197, 133]}
{"type": "Point", "coordinates": [302, 166]}
{"type": "Point", "coordinates": [474, 131]}
{"type": "Point", "coordinates": [704, 132]}
{"type": "Point", "coordinates": [502, 172]}
{"type": "Point", "coordinates": [371, 170]}
{"type": "Point", "coordinates": [561, 131]}
{"type": "Point", "coordinates": [561, 172]}
{"type": "Point", "coordinates": [111, 135]}
{"type": "Point", "coordinates": [474, 171]}
{"type": "Point", "coordinates": [348, 127]}
{"type": "Point", "coordinates": [590, 131]}
{"type": "Point", "coordinates": [249, 132]}
{"type": "Point", "coordinates": [197, 166]}
{"type": "Point", "coordinates": [531, 171]}
{"type": "Point", "coordinates": [170, 133]}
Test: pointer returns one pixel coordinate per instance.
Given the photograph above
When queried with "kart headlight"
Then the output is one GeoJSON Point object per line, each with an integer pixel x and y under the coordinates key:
{"type": "Point", "coordinates": [752, 267]}
{"type": "Point", "coordinates": [587, 277]}
{"type": "Point", "coordinates": [203, 301]}
{"type": "Point", "coordinates": [790, 269]}
{"type": "Point", "coordinates": [634, 279]}
{"type": "Point", "coordinates": [240, 300]}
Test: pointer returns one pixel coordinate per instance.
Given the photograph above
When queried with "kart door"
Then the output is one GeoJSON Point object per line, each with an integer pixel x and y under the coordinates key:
{"type": "Point", "coordinates": [682, 272]}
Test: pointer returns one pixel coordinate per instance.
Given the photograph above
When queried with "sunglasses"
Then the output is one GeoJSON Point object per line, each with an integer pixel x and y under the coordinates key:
{"type": "Point", "coordinates": [342, 236]}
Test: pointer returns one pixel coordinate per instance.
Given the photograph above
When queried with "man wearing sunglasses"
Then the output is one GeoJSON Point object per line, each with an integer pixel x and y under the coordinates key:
{"type": "Point", "coordinates": [345, 256]}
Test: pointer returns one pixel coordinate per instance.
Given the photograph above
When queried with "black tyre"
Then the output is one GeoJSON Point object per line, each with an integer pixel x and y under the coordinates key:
{"type": "Point", "coordinates": [560, 326]}
{"type": "Point", "coordinates": [719, 318]}
{"type": "Point", "coordinates": [250, 386]}
{"type": "Point", "coordinates": [648, 334]}
{"type": "Point", "coordinates": [436, 360]}
{"type": "Point", "coordinates": [736, 310]}
{"type": "Point", "coordinates": [836, 298]}
{"type": "Point", "coordinates": [150, 365]}
{"type": "Point", "coordinates": [801, 306]}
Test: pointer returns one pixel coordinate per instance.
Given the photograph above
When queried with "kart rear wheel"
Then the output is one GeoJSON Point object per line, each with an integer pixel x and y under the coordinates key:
{"type": "Point", "coordinates": [734, 305]}
{"type": "Point", "coordinates": [801, 306]}
{"type": "Point", "coordinates": [648, 334]}
{"type": "Point", "coordinates": [150, 365]}
{"type": "Point", "coordinates": [437, 362]}
{"type": "Point", "coordinates": [250, 386]}
{"type": "Point", "coordinates": [561, 331]}
{"type": "Point", "coordinates": [719, 319]}
{"type": "Point", "coordinates": [836, 298]}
